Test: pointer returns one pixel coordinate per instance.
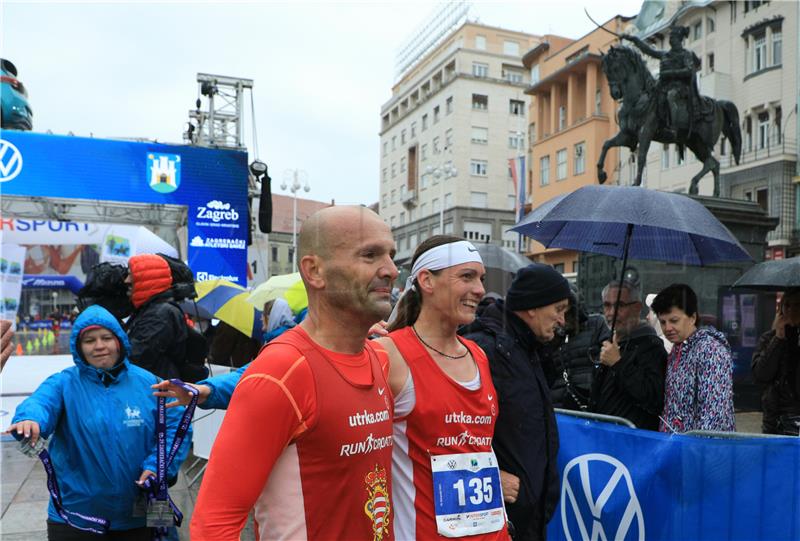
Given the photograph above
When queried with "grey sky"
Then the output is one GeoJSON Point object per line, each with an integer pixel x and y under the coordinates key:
{"type": "Point", "coordinates": [321, 70]}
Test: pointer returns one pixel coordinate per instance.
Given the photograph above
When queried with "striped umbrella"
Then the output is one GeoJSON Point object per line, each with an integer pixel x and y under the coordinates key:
{"type": "Point", "coordinates": [227, 302]}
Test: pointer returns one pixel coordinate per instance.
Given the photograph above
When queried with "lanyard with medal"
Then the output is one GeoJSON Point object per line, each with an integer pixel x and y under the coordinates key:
{"type": "Point", "coordinates": [98, 525]}
{"type": "Point", "coordinates": [467, 495]}
{"type": "Point", "coordinates": [162, 513]}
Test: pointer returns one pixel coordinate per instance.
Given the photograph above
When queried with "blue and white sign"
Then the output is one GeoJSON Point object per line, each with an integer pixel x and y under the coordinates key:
{"type": "Point", "coordinates": [631, 485]}
{"type": "Point", "coordinates": [467, 496]}
{"type": "Point", "coordinates": [211, 183]}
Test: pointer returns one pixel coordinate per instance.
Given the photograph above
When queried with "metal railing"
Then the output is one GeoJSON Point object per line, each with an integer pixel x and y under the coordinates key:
{"type": "Point", "coordinates": [597, 417]}
{"type": "Point", "coordinates": [753, 154]}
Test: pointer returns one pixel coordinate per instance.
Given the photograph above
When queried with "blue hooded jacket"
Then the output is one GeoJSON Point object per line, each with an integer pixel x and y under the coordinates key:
{"type": "Point", "coordinates": [102, 429]}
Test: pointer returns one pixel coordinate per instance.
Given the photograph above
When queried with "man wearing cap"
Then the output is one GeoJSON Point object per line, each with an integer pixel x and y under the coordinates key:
{"type": "Point", "coordinates": [630, 380]}
{"type": "Point", "coordinates": [512, 333]}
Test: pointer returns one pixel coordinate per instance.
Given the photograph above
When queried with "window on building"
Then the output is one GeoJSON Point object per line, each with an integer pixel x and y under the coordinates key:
{"type": "Point", "coordinates": [512, 76]}
{"type": "Point", "coordinates": [697, 30]}
{"type": "Point", "coordinates": [534, 74]}
{"type": "Point", "coordinates": [478, 168]}
{"type": "Point", "coordinates": [515, 140]}
{"type": "Point", "coordinates": [412, 241]}
{"type": "Point", "coordinates": [478, 200]}
{"type": "Point", "coordinates": [480, 136]}
{"type": "Point", "coordinates": [410, 215]}
{"type": "Point", "coordinates": [413, 129]}
{"type": "Point", "coordinates": [558, 267]}
{"type": "Point", "coordinates": [480, 69]}
{"type": "Point", "coordinates": [710, 25]}
{"type": "Point", "coordinates": [511, 203]}
{"type": "Point", "coordinates": [291, 253]}
{"type": "Point", "coordinates": [448, 228]}
{"type": "Point", "coordinates": [544, 170]}
{"type": "Point", "coordinates": [385, 148]}
{"type": "Point", "coordinates": [448, 105]}
{"type": "Point", "coordinates": [762, 198]}
{"type": "Point", "coordinates": [403, 137]}
{"type": "Point", "coordinates": [274, 254]}
{"type": "Point", "coordinates": [516, 107]}
{"type": "Point", "coordinates": [435, 205]}
{"type": "Point", "coordinates": [448, 138]}
{"type": "Point", "coordinates": [436, 114]}
{"type": "Point", "coordinates": [562, 117]}
{"type": "Point", "coordinates": [394, 169]}
{"type": "Point", "coordinates": [402, 218]}
{"type": "Point", "coordinates": [423, 210]}
{"type": "Point", "coordinates": [424, 122]}
{"type": "Point", "coordinates": [448, 200]}
{"type": "Point", "coordinates": [384, 175]}
{"type": "Point", "coordinates": [532, 132]}
{"type": "Point", "coordinates": [394, 197]}
{"type": "Point", "coordinates": [436, 148]}
{"type": "Point", "coordinates": [394, 142]}
{"type": "Point", "coordinates": [760, 53]}
{"type": "Point", "coordinates": [402, 165]}
{"type": "Point", "coordinates": [763, 130]}
{"type": "Point", "coordinates": [748, 195]}
{"type": "Point", "coordinates": [435, 230]}
{"type": "Point", "coordinates": [561, 164]}
{"type": "Point", "coordinates": [480, 102]}
{"type": "Point", "coordinates": [664, 156]}
{"type": "Point", "coordinates": [480, 42]}
{"type": "Point", "coordinates": [384, 202]}
{"type": "Point", "coordinates": [710, 63]}
{"type": "Point", "coordinates": [424, 152]}
{"type": "Point", "coordinates": [778, 119]}
{"type": "Point", "coordinates": [748, 133]}
{"type": "Point", "coordinates": [511, 48]}
{"type": "Point", "coordinates": [579, 166]}
{"type": "Point", "coordinates": [777, 47]}
{"type": "Point", "coordinates": [392, 221]}
{"type": "Point", "coordinates": [598, 102]}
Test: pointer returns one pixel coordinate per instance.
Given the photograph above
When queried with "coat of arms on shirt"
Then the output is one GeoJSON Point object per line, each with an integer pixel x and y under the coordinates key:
{"type": "Point", "coordinates": [378, 507]}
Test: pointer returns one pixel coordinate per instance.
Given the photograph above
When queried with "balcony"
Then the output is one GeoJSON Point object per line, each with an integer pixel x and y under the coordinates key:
{"type": "Point", "coordinates": [409, 199]}
{"type": "Point", "coordinates": [786, 148]}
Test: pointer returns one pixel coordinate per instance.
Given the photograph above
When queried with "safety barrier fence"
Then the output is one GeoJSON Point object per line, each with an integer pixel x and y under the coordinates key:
{"type": "Point", "coordinates": [623, 483]}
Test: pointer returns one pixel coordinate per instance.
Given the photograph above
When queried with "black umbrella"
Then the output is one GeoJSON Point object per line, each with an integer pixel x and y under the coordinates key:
{"type": "Point", "coordinates": [776, 275]}
{"type": "Point", "coordinates": [630, 221]}
{"type": "Point", "coordinates": [497, 257]}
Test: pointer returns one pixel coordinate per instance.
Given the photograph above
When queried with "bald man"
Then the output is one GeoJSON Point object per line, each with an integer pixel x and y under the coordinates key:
{"type": "Point", "coordinates": [307, 439]}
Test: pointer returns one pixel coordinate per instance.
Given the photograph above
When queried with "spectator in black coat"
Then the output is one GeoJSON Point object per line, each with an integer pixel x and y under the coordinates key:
{"type": "Point", "coordinates": [776, 365]}
{"type": "Point", "coordinates": [512, 333]}
{"type": "Point", "coordinates": [157, 329]}
{"type": "Point", "coordinates": [630, 381]}
{"type": "Point", "coordinates": [574, 356]}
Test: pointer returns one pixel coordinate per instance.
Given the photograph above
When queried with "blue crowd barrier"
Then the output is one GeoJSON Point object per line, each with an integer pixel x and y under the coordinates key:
{"type": "Point", "coordinates": [626, 484]}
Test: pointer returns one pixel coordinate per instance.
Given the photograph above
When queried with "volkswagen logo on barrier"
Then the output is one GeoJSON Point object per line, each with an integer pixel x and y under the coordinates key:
{"type": "Point", "coordinates": [10, 161]}
{"type": "Point", "coordinates": [598, 500]}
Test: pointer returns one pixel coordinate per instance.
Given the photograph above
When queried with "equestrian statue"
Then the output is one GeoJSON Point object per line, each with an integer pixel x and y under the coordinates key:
{"type": "Point", "coordinates": [670, 110]}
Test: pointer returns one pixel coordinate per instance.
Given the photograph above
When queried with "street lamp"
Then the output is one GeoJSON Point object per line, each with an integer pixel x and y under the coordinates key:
{"type": "Point", "coordinates": [441, 174]}
{"type": "Point", "coordinates": [293, 179]}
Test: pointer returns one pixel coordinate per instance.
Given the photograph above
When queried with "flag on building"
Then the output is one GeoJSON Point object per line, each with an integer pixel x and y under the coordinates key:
{"type": "Point", "coordinates": [517, 168]}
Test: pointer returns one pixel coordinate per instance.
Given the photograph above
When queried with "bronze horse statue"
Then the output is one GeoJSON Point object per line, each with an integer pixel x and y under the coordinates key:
{"type": "Point", "coordinates": [640, 123]}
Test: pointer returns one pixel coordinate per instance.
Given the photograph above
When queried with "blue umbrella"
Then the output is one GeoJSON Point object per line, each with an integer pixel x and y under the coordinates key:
{"type": "Point", "coordinates": [630, 221]}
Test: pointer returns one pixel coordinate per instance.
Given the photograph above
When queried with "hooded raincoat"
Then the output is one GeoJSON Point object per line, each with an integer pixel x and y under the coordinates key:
{"type": "Point", "coordinates": [102, 430]}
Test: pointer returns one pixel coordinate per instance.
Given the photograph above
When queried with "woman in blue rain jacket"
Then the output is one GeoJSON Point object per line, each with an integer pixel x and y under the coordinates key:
{"type": "Point", "coordinates": [100, 417]}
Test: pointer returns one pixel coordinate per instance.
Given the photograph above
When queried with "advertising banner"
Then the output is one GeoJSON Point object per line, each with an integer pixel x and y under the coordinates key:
{"type": "Point", "coordinates": [211, 183]}
{"type": "Point", "coordinates": [12, 260]}
{"type": "Point", "coordinates": [628, 484]}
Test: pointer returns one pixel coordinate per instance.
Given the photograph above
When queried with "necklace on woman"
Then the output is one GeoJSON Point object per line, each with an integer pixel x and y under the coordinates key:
{"type": "Point", "coordinates": [427, 345]}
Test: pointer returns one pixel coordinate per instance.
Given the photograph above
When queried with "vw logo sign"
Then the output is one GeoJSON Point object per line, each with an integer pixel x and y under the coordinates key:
{"type": "Point", "coordinates": [598, 501]}
{"type": "Point", "coordinates": [10, 161]}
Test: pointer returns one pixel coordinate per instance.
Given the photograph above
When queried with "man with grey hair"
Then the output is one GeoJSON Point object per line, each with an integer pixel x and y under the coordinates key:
{"type": "Point", "coordinates": [629, 381]}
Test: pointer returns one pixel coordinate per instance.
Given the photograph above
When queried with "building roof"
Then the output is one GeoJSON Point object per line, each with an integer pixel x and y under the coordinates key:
{"type": "Point", "coordinates": [282, 210]}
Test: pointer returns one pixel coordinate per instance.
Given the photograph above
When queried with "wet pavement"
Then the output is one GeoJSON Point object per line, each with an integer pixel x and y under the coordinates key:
{"type": "Point", "coordinates": [24, 494]}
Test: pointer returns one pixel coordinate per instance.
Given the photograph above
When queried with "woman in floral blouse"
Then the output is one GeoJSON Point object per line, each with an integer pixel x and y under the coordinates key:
{"type": "Point", "coordinates": [699, 384]}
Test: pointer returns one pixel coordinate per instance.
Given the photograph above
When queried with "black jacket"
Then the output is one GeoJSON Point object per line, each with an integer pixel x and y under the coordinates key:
{"type": "Point", "coordinates": [525, 436]}
{"type": "Point", "coordinates": [775, 365]}
{"type": "Point", "coordinates": [158, 332]}
{"type": "Point", "coordinates": [634, 387]}
{"type": "Point", "coordinates": [578, 355]}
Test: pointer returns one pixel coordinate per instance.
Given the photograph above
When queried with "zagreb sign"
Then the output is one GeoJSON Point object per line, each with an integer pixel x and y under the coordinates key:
{"type": "Point", "coordinates": [211, 183]}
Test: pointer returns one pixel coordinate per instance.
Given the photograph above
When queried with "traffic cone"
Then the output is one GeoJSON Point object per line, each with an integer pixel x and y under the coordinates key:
{"type": "Point", "coordinates": [20, 351]}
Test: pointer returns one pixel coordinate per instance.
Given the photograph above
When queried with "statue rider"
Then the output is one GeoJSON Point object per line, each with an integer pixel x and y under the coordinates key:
{"type": "Point", "coordinates": [676, 82]}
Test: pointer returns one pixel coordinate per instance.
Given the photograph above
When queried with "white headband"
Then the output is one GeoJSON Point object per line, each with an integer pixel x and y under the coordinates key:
{"type": "Point", "coordinates": [439, 257]}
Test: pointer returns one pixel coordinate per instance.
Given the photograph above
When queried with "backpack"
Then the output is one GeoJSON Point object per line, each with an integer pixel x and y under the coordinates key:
{"type": "Point", "coordinates": [182, 278]}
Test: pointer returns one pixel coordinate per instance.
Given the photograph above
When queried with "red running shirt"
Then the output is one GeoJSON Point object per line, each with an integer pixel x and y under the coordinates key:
{"type": "Point", "coordinates": [307, 441]}
{"type": "Point", "coordinates": [447, 419]}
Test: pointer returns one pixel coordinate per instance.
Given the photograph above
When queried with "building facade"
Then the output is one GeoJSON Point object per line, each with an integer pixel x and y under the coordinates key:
{"type": "Point", "coordinates": [571, 116]}
{"type": "Point", "coordinates": [446, 136]}
{"type": "Point", "coordinates": [749, 56]}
